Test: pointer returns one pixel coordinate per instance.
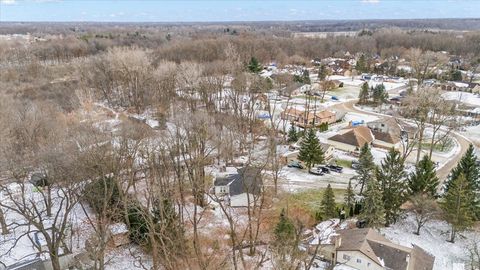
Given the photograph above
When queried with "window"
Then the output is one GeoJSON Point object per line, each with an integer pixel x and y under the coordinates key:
{"type": "Point", "coordinates": [359, 261]}
{"type": "Point", "coordinates": [346, 257]}
{"type": "Point", "coordinates": [368, 264]}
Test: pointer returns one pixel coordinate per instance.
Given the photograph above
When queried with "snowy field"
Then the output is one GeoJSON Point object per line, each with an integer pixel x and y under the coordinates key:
{"type": "Point", "coordinates": [294, 179]}
{"type": "Point", "coordinates": [464, 97]}
{"type": "Point", "coordinates": [432, 238]}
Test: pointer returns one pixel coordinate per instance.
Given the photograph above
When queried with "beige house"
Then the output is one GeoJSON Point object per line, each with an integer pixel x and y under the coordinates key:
{"type": "Point", "coordinates": [366, 249]}
{"type": "Point", "coordinates": [388, 132]}
{"type": "Point", "coordinates": [292, 157]}
{"type": "Point", "coordinates": [352, 139]}
{"type": "Point", "coordinates": [306, 119]}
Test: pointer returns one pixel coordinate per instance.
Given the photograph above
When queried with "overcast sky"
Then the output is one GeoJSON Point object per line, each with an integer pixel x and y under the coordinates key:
{"type": "Point", "coordinates": [229, 10]}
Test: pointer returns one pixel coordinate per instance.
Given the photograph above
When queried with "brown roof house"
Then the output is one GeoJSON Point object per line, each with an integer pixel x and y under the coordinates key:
{"type": "Point", "coordinates": [352, 138]}
{"type": "Point", "coordinates": [306, 119]}
{"type": "Point", "coordinates": [365, 249]}
{"type": "Point", "coordinates": [388, 132]}
{"type": "Point", "coordinates": [292, 157]}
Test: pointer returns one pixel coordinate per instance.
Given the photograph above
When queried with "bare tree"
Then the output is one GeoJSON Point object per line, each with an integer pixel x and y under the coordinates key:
{"type": "Point", "coordinates": [424, 209]}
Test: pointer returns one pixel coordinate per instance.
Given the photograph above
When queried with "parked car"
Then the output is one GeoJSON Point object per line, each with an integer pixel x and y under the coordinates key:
{"type": "Point", "coordinates": [355, 165]}
{"type": "Point", "coordinates": [316, 171]}
{"type": "Point", "coordinates": [324, 169]}
{"type": "Point", "coordinates": [295, 165]}
{"type": "Point", "coordinates": [39, 180]}
{"type": "Point", "coordinates": [335, 168]}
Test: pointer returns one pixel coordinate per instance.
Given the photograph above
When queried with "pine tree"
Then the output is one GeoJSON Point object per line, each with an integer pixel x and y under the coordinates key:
{"type": "Point", "coordinates": [392, 179]}
{"type": "Point", "coordinates": [364, 94]}
{"type": "Point", "coordinates": [379, 94]}
{"type": "Point", "coordinates": [469, 167]}
{"type": "Point", "coordinates": [349, 199]}
{"type": "Point", "coordinates": [322, 72]}
{"type": "Point", "coordinates": [284, 230]}
{"type": "Point", "coordinates": [361, 65]}
{"type": "Point", "coordinates": [328, 203]}
{"type": "Point", "coordinates": [457, 206]}
{"type": "Point", "coordinates": [306, 76]}
{"type": "Point", "coordinates": [254, 66]}
{"type": "Point", "coordinates": [373, 211]}
{"type": "Point", "coordinates": [366, 167]}
{"type": "Point", "coordinates": [292, 134]}
{"type": "Point", "coordinates": [311, 152]}
{"type": "Point", "coordinates": [423, 180]}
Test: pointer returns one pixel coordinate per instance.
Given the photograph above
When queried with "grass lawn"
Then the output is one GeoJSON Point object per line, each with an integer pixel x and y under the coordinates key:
{"type": "Point", "coordinates": [311, 98]}
{"type": "Point", "coordinates": [344, 163]}
{"type": "Point", "coordinates": [308, 200]}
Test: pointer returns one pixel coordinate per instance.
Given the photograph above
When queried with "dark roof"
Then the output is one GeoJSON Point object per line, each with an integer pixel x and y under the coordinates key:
{"type": "Point", "coordinates": [392, 257]}
{"type": "Point", "coordinates": [224, 180]}
{"type": "Point", "coordinates": [385, 137]}
{"type": "Point", "coordinates": [247, 180]}
{"type": "Point", "coordinates": [421, 259]}
{"type": "Point", "coordinates": [34, 264]}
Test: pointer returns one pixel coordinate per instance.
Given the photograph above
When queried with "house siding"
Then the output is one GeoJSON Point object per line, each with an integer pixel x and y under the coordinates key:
{"type": "Point", "coordinates": [352, 262]}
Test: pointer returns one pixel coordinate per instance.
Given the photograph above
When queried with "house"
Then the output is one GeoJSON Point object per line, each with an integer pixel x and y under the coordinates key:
{"type": "Point", "coordinates": [366, 249]}
{"type": "Point", "coordinates": [388, 132]}
{"type": "Point", "coordinates": [308, 118]}
{"type": "Point", "coordinates": [476, 89]}
{"type": "Point", "coordinates": [237, 187]}
{"type": "Point", "coordinates": [292, 157]}
{"type": "Point", "coordinates": [352, 138]}
{"type": "Point", "coordinates": [118, 235]}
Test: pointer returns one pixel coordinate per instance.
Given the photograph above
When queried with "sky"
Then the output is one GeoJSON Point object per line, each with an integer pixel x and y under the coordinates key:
{"type": "Point", "coordinates": [231, 10]}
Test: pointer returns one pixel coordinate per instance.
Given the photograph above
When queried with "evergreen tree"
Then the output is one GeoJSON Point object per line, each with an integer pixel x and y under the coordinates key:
{"type": "Point", "coordinates": [349, 199]}
{"type": "Point", "coordinates": [379, 94]}
{"type": "Point", "coordinates": [306, 76]}
{"type": "Point", "coordinates": [361, 65]}
{"type": "Point", "coordinates": [292, 134]}
{"type": "Point", "coordinates": [457, 206]}
{"type": "Point", "coordinates": [392, 179]}
{"type": "Point", "coordinates": [322, 72]}
{"type": "Point", "coordinates": [373, 211]}
{"type": "Point", "coordinates": [470, 169]}
{"type": "Point", "coordinates": [254, 66]}
{"type": "Point", "coordinates": [364, 94]}
{"type": "Point", "coordinates": [423, 180]}
{"type": "Point", "coordinates": [366, 167]}
{"type": "Point", "coordinates": [455, 75]}
{"type": "Point", "coordinates": [328, 203]}
{"type": "Point", "coordinates": [284, 230]}
{"type": "Point", "coordinates": [311, 152]}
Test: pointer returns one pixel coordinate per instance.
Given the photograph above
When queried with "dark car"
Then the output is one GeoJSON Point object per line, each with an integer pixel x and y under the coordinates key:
{"type": "Point", "coordinates": [324, 169]}
{"type": "Point", "coordinates": [355, 164]}
{"type": "Point", "coordinates": [39, 180]}
{"type": "Point", "coordinates": [316, 171]}
{"type": "Point", "coordinates": [295, 165]}
{"type": "Point", "coordinates": [335, 168]}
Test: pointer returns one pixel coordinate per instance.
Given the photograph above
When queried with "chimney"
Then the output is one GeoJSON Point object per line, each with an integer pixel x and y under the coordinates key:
{"type": "Point", "coordinates": [338, 241]}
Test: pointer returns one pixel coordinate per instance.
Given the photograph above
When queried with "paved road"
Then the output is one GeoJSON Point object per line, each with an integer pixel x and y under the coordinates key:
{"type": "Point", "coordinates": [443, 172]}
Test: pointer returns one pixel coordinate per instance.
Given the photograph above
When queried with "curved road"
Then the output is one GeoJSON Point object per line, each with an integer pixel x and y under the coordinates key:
{"type": "Point", "coordinates": [443, 172]}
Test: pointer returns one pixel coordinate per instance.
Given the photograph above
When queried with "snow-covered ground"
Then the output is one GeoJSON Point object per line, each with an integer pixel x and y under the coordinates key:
{"type": "Point", "coordinates": [294, 179]}
{"type": "Point", "coordinates": [432, 238]}
{"type": "Point", "coordinates": [464, 97]}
